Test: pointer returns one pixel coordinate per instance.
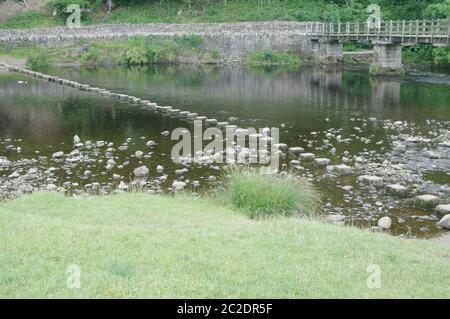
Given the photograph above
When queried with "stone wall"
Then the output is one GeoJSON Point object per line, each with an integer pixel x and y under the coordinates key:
{"type": "Point", "coordinates": [231, 40]}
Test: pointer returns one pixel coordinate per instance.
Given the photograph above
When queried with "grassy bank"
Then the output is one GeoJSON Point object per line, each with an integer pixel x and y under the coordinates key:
{"type": "Point", "coordinates": [137, 245]}
{"type": "Point", "coordinates": [136, 51]}
{"type": "Point", "coordinates": [133, 51]}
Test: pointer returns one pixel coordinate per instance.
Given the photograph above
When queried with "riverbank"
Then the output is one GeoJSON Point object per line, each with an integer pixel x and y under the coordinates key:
{"type": "Point", "coordinates": [137, 245]}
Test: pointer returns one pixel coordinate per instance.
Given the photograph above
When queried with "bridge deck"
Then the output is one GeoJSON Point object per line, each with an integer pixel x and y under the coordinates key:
{"type": "Point", "coordinates": [414, 31]}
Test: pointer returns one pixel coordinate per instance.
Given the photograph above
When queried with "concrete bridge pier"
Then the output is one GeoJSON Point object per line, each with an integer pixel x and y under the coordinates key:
{"type": "Point", "coordinates": [327, 51]}
{"type": "Point", "coordinates": [387, 59]}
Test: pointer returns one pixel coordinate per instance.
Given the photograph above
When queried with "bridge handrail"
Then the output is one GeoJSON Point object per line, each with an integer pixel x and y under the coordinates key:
{"type": "Point", "coordinates": [434, 29]}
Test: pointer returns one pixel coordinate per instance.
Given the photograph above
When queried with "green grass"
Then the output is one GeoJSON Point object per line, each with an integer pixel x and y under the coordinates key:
{"type": "Point", "coordinates": [269, 57]}
{"type": "Point", "coordinates": [268, 195]}
{"type": "Point", "coordinates": [138, 245]}
{"type": "Point", "coordinates": [133, 51]}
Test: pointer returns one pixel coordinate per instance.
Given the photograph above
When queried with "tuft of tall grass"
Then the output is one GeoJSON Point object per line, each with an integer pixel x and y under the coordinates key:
{"type": "Point", "coordinates": [38, 62]}
{"type": "Point", "coordinates": [260, 195]}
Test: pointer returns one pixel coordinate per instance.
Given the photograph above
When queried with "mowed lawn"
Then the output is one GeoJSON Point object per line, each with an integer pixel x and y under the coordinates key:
{"type": "Point", "coordinates": [138, 245]}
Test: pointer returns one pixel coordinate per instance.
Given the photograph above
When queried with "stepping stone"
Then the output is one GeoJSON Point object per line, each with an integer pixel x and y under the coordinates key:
{"type": "Point", "coordinates": [296, 150]}
{"type": "Point", "coordinates": [307, 156]}
{"type": "Point", "coordinates": [322, 161]}
{"type": "Point", "coordinates": [397, 190]}
{"type": "Point", "coordinates": [442, 209]}
{"type": "Point", "coordinates": [211, 122]}
{"type": "Point", "coordinates": [222, 124]}
{"type": "Point", "coordinates": [372, 180]}
{"type": "Point", "coordinates": [426, 201]}
{"type": "Point", "coordinates": [201, 118]}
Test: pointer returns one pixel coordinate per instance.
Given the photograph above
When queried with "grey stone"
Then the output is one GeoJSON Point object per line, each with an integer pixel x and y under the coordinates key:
{"type": "Point", "coordinates": [372, 180]}
{"type": "Point", "coordinates": [322, 161]}
{"type": "Point", "coordinates": [384, 222]}
{"type": "Point", "coordinates": [397, 190]}
{"type": "Point", "coordinates": [445, 222]}
{"type": "Point", "coordinates": [141, 171]}
{"type": "Point", "coordinates": [426, 201]}
{"type": "Point", "coordinates": [443, 209]}
{"type": "Point", "coordinates": [58, 154]}
{"type": "Point", "coordinates": [307, 156]}
{"type": "Point", "coordinates": [296, 150]}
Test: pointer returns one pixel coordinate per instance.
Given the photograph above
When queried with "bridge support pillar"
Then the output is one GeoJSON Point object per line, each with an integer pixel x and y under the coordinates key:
{"type": "Point", "coordinates": [328, 51]}
{"type": "Point", "coordinates": [387, 59]}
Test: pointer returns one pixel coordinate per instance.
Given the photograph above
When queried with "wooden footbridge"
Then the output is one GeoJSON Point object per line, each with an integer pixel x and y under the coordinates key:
{"type": "Point", "coordinates": [388, 38]}
{"type": "Point", "coordinates": [413, 32]}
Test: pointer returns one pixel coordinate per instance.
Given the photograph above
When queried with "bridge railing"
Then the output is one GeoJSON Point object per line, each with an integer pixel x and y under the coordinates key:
{"type": "Point", "coordinates": [403, 30]}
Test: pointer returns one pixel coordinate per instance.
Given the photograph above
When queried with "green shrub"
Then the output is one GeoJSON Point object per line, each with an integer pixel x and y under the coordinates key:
{"type": "Point", "coordinates": [270, 57]}
{"type": "Point", "coordinates": [91, 56]}
{"type": "Point", "coordinates": [136, 52]}
{"type": "Point", "coordinates": [260, 195]}
{"type": "Point", "coordinates": [441, 56]}
{"type": "Point", "coordinates": [38, 62]}
{"type": "Point", "coordinates": [193, 41]}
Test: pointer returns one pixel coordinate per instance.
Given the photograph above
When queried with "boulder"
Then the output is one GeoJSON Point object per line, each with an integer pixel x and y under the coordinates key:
{"type": "Point", "coordinates": [296, 150]}
{"type": "Point", "coordinates": [322, 161]}
{"type": "Point", "coordinates": [372, 180]}
{"type": "Point", "coordinates": [384, 222]}
{"type": "Point", "coordinates": [445, 222]}
{"type": "Point", "coordinates": [307, 156]}
{"type": "Point", "coordinates": [426, 201]}
{"type": "Point", "coordinates": [76, 139]}
{"type": "Point", "coordinates": [178, 185]}
{"type": "Point", "coordinates": [442, 209]}
{"type": "Point", "coordinates": [397, 190]}
{"type": "Point", "coordinates": [58, 154]}
{"type": "Point", "coordinates": [141, 171]}
{"type": "Point", "coordinates": [340, 169]}
{"type": "Point", "coordinates": [138, 154]}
